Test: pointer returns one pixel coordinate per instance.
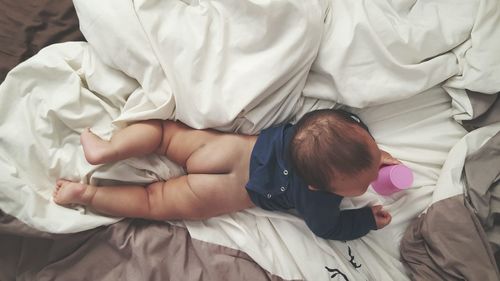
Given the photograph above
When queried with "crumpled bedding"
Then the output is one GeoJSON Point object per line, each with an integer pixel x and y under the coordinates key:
{"type": "Point", "coordinates": [448, 243]}
{"type": "Point", "coordinates": [358, 53]}
{"type": "Point", "coordinates": [132, 249]}
{"type": "Point", "coordinates": [242, 66]}
{"type": "Point", "coordinates": [27, 26]}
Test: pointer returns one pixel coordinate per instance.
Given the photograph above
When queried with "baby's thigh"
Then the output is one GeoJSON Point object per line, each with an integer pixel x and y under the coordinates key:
{"type": "Point", "coordinates": [218, 194]}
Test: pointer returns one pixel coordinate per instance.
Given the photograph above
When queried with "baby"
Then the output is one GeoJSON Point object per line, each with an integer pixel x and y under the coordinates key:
{"type": "Point", "coordinates": [309, 166]}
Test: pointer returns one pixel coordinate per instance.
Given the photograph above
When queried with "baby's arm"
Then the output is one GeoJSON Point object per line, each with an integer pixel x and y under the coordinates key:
{"type": "Point", "coordinates": [343, 225]}
{"type": "Point", "coordinates": [323, 216]}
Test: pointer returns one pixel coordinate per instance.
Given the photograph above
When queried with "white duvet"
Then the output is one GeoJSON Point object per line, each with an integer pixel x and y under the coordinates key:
{"type": "Point", "coordinates": [243, 66]}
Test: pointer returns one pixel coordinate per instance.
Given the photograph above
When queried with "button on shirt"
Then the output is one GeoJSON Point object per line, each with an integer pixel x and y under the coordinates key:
{"type": "Point", "coordinates": [274, 185]}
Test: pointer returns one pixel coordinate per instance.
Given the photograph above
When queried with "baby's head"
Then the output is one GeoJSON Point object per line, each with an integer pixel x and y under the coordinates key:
{"type": "Point", "coordinates": [333, 152]}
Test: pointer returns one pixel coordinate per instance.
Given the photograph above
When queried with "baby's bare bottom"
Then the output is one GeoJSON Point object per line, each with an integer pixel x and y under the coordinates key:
{"type": "Point", "coordinates": [217, 168]}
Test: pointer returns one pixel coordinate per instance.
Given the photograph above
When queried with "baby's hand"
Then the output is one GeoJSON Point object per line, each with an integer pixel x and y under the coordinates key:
{"type": "Point", "coordinates": [382, 217]}
{"type": "Point", "coordinates": [387, 159]}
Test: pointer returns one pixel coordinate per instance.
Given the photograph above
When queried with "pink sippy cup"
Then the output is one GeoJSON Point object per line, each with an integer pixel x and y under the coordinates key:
{"type": "Point", "coordinates": [393, 178]}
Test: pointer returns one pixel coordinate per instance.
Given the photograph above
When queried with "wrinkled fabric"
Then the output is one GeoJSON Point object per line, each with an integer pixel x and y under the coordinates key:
{"type": "Point", "coordinates": [128, 250]}
{"type": "Point", "coordinates": [486, 109]}
{"type": "Point", "coordinates": [27, 26]}
{"type": "Point", "coordinates": [482, 174]}
{"type": "Point", "coordinates": [455, 239]}
{"type": "Point", "coordinates": [448, 243]}
{"type": "Point", "coordinates": [232, 65]}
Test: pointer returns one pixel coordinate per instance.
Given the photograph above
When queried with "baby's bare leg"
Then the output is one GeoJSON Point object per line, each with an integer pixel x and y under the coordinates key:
{"type": "Point", "coordinates": [186, 197]}
{"type": "Point", "coordinates": [138, 139]}
{"type": "Point", "coordinates": [218, 166]}
{"type": "Point", "coordinates": [120, 201]}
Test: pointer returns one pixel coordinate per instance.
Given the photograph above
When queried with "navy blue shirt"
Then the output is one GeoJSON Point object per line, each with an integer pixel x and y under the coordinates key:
{"type": "Point", "coordinates": [274, 185]}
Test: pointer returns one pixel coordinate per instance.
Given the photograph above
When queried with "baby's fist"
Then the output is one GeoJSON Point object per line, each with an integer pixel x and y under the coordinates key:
{"type": "Point", "coordinates": [382, 217]}
{"type": "Point", "coordinates": [387, 159]}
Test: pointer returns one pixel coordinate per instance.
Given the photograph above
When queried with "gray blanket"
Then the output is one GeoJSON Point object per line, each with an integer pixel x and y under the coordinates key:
{"type": "Point", "coordinates": [127, 250]}
{"type": "Point", "coordinates": [456, 238]}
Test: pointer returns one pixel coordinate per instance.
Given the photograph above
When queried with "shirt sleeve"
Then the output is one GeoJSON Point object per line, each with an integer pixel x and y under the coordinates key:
{"type": "Point", "coordinates": [323, 216]}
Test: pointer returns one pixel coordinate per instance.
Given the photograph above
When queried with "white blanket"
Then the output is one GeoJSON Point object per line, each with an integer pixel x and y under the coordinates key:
{"type": "Point", "coordinates": [243, 66]}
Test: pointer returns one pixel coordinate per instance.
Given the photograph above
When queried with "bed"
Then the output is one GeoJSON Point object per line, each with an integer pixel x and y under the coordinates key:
{"type": "Point", "coordinates": [421, 74]}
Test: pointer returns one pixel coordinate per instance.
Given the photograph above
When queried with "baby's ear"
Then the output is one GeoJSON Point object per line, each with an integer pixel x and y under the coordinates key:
{"type": "Point", "coordinates": [310, 187]}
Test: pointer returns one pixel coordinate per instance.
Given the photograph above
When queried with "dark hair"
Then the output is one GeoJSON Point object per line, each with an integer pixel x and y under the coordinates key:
{"type": "Point", "coordinates": [327, 142]}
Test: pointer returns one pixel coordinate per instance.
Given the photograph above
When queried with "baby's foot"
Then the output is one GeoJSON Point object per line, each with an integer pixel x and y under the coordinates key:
{"type": "Point", "coordinates": [68, 192]}
{"type": "Point", "coordinates": [96, 150]}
